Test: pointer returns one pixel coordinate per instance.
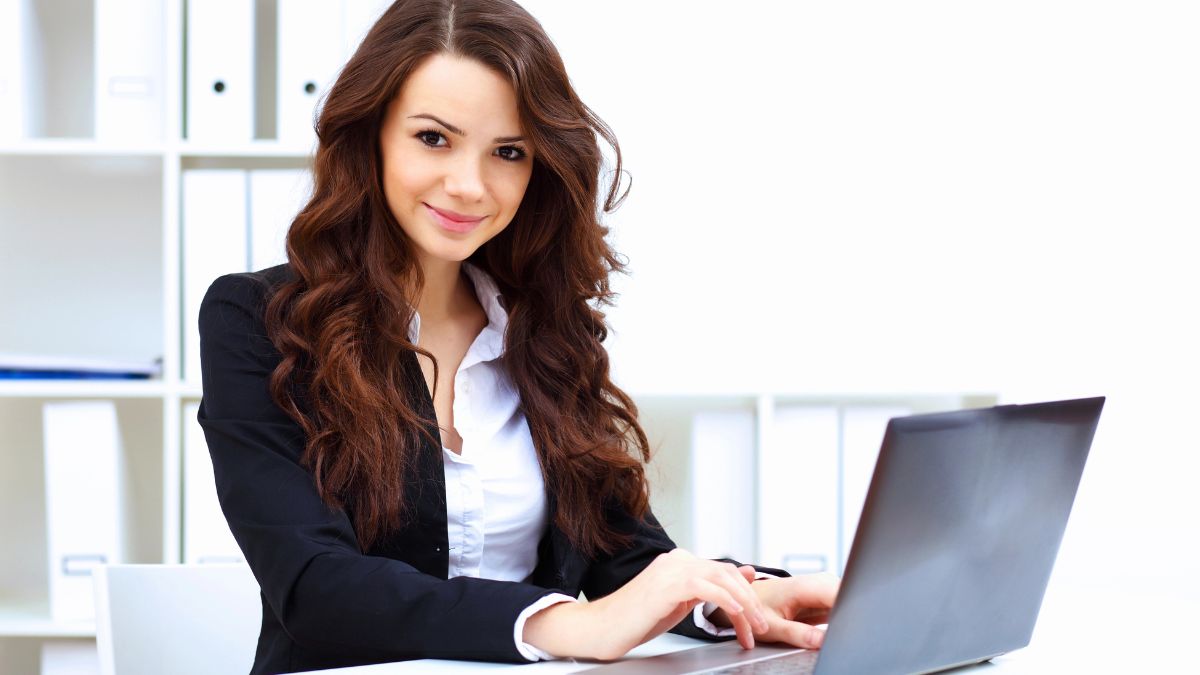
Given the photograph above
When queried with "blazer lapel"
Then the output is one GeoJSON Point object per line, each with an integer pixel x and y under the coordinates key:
{"type": "Point", "coordinates": [422, 542]}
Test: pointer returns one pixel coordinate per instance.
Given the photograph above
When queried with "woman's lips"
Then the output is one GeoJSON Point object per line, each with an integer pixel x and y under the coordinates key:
{"type": "Point", "coordinates": [449, 220]}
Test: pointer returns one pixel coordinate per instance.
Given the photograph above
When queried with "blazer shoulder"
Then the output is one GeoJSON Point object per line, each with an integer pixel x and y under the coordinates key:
{"type": "Point", "coordinates": [249, 289]}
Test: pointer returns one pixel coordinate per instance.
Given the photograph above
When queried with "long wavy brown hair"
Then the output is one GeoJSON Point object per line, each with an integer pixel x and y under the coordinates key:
{"type": "Point", "coordinates": [347, 373]}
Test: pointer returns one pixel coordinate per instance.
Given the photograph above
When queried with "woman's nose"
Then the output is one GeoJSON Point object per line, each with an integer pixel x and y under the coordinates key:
{"type": "Point", "coordinates": [465, 179]}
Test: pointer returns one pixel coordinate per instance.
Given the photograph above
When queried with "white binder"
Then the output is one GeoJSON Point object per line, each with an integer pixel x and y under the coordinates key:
{"type": "Point", "coordinates": [82, 446]}
{"type": "Point", "coordinates": [862, 436]}
{"type": "Point", "coordinates": [797, 508]}
{"type": "Point", "coordinates": [16, 36]}
{"type": "Point", "coordinates": [206, 535]}
{"type": "Point", "coordinates": [214, 244]}
{"type": "Point", "coordinates": [130, 73]}
{"type": "Point", "coordinates": [310, 43]}
{"type": "Point", "coordinates": [722, 501]}
{"type": "Point", "coordinates": [220, 71]}
{"type": "Point", "coordinates": [276, 196]}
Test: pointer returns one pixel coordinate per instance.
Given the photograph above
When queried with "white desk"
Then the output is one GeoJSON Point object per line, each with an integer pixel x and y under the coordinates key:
{"type": "Point", "coordinates": [1077, 632]}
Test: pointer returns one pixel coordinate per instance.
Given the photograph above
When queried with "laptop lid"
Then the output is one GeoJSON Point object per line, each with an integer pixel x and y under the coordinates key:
{"type": "Point", "coordinates": [961, 526]}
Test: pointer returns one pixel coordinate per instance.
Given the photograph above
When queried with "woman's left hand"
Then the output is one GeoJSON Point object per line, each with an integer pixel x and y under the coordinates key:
{"type": "Point", "coordinates": [794, 606]}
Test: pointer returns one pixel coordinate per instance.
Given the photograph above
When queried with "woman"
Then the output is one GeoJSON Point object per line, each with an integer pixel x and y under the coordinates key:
{"type": "Point", "coordinates": [416, 441]}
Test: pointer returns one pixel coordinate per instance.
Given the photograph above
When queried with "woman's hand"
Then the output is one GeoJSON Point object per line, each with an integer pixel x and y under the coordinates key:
{"type": "Point", "coordinates": [794, 607]}
{"type": "Point", "coordinates": [655, 600]}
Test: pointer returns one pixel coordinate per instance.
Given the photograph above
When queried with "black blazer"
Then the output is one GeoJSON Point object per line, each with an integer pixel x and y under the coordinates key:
{"type": "Point", "coordinates": [325, 603]}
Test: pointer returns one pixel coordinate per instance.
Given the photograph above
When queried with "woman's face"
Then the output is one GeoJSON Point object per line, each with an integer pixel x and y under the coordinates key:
{"type": "Point", "coordinates": [451, 141]}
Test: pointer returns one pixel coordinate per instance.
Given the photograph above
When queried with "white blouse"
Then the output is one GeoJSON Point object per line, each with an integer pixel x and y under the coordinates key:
{"type": "Point", "coordinates": [496, 510]}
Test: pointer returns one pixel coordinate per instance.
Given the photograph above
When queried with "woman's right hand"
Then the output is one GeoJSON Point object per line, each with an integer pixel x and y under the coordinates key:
{"type": "Point", "coordinates": [651, 603]}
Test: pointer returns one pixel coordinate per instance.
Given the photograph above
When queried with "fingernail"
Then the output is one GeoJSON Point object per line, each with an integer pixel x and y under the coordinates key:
{"type": "Point", "coordinates": [819, 638]}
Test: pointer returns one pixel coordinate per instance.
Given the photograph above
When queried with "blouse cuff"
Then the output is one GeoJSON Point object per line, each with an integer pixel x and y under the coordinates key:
{"type": "Point", "coordinates": [527, 650]}
{"type": "Point", "coordinates": [702, 611]}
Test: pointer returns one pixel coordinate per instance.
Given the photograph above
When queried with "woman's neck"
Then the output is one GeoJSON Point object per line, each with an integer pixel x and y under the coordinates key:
{"type": "Point", "coordinates": [445, 293]}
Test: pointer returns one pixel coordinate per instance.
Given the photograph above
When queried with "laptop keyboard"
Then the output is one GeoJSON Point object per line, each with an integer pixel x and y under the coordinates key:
{"type": "Point", "coordinates": [792, 664]}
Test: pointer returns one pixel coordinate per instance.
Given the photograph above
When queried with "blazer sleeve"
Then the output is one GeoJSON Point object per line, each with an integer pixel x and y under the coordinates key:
{"type": "Point", "coordinates": [649, 540]}
{"type": "Point", "coordinates": [324, 591]}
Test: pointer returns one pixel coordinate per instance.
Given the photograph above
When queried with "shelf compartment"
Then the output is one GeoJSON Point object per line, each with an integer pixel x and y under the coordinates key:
{"type": "Point", "coordinates": [24, 580]}
{"type": "Point", "coordinates": [97, 291]}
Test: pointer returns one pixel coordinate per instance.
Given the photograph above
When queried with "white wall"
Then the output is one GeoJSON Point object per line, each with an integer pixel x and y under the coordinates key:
{"type": "Point", "coordinates": [922, 196]}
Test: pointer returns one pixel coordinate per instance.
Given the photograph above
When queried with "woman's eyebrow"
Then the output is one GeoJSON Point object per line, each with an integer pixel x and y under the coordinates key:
{"type": "Point", "coordinates": [455, 130]}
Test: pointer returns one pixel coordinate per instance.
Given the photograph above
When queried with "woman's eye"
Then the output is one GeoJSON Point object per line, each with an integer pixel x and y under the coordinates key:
{"type": "Point", "coordinates": [426, 135]}
{"type": "Point", "coordinates": [516, 153]}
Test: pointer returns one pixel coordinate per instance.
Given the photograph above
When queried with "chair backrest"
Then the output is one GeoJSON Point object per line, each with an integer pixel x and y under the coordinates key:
{"type": "Point", "coordinates": [179, 619]}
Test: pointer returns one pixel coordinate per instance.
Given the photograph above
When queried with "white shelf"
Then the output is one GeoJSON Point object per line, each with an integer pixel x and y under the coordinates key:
{"type": "Point", "coordinates": [86, 147]}
{"type": "Point", "coordinates": [81, 388]}
{"type": "Point", "coordinates": [256, 150]}
{"type": "Point", "coordinates": [27, 621]}
{"type": "Point", "coordinates": [55, 147]}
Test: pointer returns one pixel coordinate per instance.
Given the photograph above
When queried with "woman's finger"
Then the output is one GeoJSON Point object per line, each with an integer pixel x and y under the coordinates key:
{"type": "Point", "coordinates": [708, 591]}
{"type": "Point", "coordinates": [798, 634]}
{"type": "Point", "coordinates": [746, 595]}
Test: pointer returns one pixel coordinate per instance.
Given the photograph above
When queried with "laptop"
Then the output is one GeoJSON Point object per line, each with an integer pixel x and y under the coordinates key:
{"type": "Point", "coordinates": [961, 526]}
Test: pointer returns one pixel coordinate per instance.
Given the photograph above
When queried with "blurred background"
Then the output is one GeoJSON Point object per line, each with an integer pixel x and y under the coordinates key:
{"type": "Point", "coordinates": [839, 212]}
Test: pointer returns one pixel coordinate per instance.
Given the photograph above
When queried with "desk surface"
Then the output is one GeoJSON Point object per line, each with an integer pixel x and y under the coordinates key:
{"type": "Point", "coordinates": [1078, 631]}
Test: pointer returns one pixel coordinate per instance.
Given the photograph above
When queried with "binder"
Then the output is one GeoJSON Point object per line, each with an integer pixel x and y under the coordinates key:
{"type": "Point", "coordinates": [82, 447]}
{"type": "Point", "coordinates": [310, 44]}
{"type": "Point", "coordinates": [206, 535]}
{"type": "Point", "coordinates": [798, 498]}
{"type": "Point", "coordinates": [722, 484]}
{"type": "Point", "coordinates": [220, 71]}
{"type": "Point", "coordinates": [214, 244]}
{"type": "Point", "coordinates": [16, 38]}
{"type": "Point", "coordinates": [862, 436]}
{"type": "Point", "coordinates": [276, 196]}
{"type": "Point", "coordinates": [130, 73]}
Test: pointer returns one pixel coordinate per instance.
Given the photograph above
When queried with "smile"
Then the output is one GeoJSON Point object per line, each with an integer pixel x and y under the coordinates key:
{"type": "Point", "coordinates": [454, 222]}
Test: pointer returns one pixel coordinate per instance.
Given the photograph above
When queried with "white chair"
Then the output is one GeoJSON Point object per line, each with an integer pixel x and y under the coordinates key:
{"type": "Point", "coordinates": [178, 619]}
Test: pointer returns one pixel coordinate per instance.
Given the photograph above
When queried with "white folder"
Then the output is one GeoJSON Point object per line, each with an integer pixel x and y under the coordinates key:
{"type": "Point", "coordinates": [206, 535]}
{"type": "Point", "coordinates": [359, 16]}
{"type": "Point", "coordinates": [82, 446]}
{"type": "Point", "coordinates": [220, 71]}
{"type": "Point", "coordinates": [130, 73]}
{"type": "Point", "coordinates": [276, 196]}
{"type": "Point", "coordinates": [310, 43]}
{"type": "Point", "coordinates": [797, 472]}
{"type": "Point", "coordinates": [16, 37]}
{"type": "Point", "coordinates": [723, 484]}
{"type": "Point", "coordinates": [214, 244]}
{"type": "Point", "coordinates": [862, 436]}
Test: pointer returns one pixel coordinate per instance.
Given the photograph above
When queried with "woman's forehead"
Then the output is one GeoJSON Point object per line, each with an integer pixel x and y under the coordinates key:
{"type": "Point", "coordinates": [462, 92]}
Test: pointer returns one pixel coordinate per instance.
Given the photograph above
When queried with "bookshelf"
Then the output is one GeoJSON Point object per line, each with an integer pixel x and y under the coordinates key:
{"type": "Point", "coordinates": [91, 262]}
